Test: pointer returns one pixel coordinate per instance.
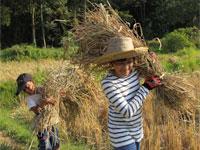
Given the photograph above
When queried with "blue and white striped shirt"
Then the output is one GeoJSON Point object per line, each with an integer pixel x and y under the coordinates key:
{"type": "Point", "coordinates": [126, 97]}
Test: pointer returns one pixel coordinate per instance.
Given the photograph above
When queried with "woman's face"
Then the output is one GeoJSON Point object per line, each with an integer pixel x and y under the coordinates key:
{"type": "Point", "coordinates": [123, 68]}
{"type": "Point", "coordinates": [30, 87]}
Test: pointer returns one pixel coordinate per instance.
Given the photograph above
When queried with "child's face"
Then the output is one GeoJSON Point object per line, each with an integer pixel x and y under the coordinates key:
{"type": "Point", "coordinates": [30, 87]}
{"type": "Point", "coordinates": [123, 67]}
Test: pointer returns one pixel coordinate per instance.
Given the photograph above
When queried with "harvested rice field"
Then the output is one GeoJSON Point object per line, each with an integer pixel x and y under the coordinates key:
{"type": "Point", "coordinates": [83, 111]}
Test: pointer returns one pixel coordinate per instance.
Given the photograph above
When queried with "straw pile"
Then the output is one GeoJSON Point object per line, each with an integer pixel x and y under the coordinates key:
{"type": "Point", "coordinates": [103, 23]}
{"type": "Point", "coordinates": [82, 106]}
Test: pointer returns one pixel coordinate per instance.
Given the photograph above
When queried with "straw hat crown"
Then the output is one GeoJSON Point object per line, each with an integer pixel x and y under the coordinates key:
{"type": "Point", "coordinates": [119, 44]}
{"type": "Point", "coordinates": [118, 48]}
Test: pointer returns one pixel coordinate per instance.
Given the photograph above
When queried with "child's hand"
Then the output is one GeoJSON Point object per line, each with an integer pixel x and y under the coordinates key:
{"type": "Point", "coordinates": [152, 82]}
{"type": "Point", "coordinates": [50, 100]}
{"type": "Point", "coordinates": [46, 101]}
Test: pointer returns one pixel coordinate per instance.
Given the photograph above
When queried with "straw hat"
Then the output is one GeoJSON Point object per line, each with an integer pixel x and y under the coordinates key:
{"type": "Point", "coordinates": [119, 48]}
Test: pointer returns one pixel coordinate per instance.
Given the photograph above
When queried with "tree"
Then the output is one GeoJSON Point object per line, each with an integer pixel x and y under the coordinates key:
{"type": "Point", "coordinates": [33, 5]}
{"type": "Point", "coordinates": [42, 24]}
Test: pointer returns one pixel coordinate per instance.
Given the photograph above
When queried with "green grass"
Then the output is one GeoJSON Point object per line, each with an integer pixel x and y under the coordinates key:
{"type": "Point", "coordinates": [15, 129]}
{"type": "Point", "coordinates": [186, 60]}
{"type": "Point", "coordinates": [7, 95]}
{"type": "Point", "coordinates": [27, 52]}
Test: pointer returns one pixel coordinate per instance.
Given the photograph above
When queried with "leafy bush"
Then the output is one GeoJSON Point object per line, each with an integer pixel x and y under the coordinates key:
{"type": "Point", "coordinates": [25, 52]}
{"type": "Point", "coordinates": [176, 41]}
{"type": "Point", "coordinates": [193, 34]}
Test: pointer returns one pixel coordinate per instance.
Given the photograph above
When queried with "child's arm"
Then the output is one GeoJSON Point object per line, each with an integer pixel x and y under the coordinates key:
{"type": "Point", "coordinates": [37, 109]}
{"type": "Point", "coordinates": [116, 98]}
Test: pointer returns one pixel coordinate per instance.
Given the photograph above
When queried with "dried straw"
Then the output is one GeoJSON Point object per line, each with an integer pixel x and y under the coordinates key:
{"type": "Point", "coordinates": [81, 104]}
{"type": "Point", "coordinates": [176, 91]}
{"type": "Point", "coordinates": [101, 24]}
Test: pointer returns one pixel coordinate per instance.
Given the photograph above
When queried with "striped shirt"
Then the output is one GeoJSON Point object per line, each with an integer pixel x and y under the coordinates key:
{"type": "Point", "coordinates": [126, 97]}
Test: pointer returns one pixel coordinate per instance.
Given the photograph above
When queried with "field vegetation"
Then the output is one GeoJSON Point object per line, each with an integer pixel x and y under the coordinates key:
{"type": "Point", "coordinates": [161, 131]}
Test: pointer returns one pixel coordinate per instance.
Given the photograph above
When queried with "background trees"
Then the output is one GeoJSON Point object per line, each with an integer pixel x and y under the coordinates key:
{"type": "Point", "coordinates": [47, 21]}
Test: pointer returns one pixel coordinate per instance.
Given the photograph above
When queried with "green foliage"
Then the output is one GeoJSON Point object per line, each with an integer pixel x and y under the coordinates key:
{"type": "Point", "coordinates": [176, 41]}
{"type": "Point", "coordinates": [186, 60]}
{"type": "Point", "coordinates": [193, 34]}
{"type": "Point", "coordinates": [26, 52]}
{"type": "Point", "coordinates": [157, 17]}
{"type": "Point", "coordinates": [126, 16]}
{"type": "Point", "coordinates": [163, 16]}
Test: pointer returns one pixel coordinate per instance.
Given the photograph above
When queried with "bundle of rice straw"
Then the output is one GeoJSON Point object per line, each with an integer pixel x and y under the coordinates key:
{"type": "Point", "coordinates": [176, 90]}
{"type": "Point", "coordinates": [49, 115]}
{"type": "Point", "coordinates": [103, 23]}
{"type": "Point", "coordinates": [82, 106]}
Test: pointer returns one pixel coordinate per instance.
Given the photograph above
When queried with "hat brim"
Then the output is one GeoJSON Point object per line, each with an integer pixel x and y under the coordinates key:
{"type": "Point", "coordinates": [120, 55]}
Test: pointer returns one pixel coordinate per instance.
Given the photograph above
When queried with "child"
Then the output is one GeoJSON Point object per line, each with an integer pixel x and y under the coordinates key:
{"type": "Point", "coordinates": [125, 94]}
{"type": "Point", "coordinates": [48, 139]}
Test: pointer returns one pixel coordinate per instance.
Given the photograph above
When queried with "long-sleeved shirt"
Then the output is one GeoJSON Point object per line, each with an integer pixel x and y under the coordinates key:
{"type": "Point", "coordinates": [126, 97]}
